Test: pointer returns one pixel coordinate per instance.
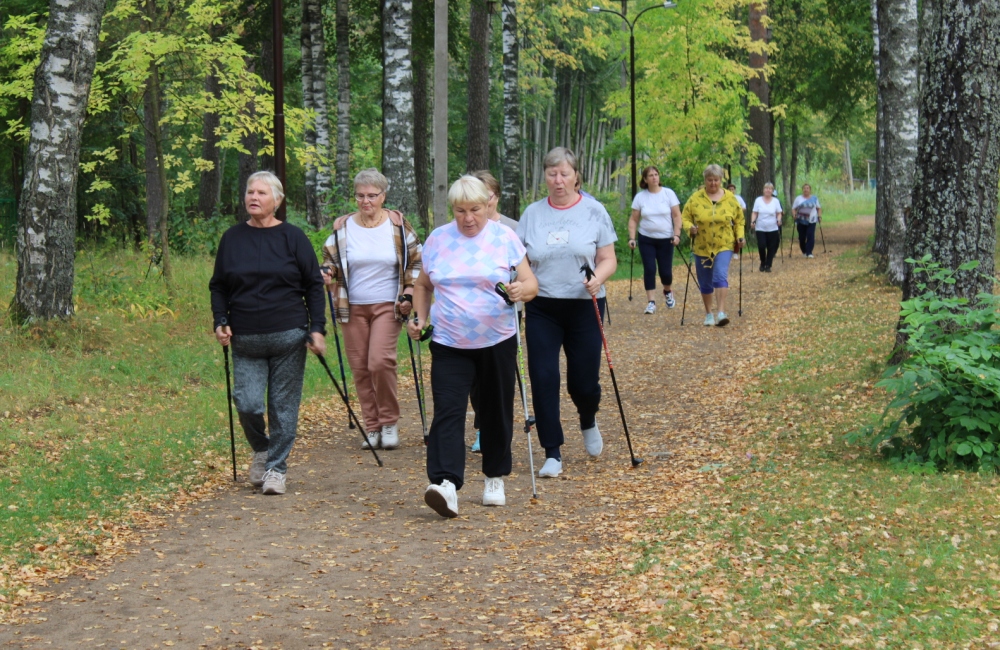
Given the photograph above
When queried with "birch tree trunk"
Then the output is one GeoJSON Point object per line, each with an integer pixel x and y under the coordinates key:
{"type": "Point", "coordinates": [759, 118]}
{"type": "Point", "coordinates": [397, 104]}
{"type": "Point", "coordinates": [881, 244]}
{"type": "Point", "coordinates": [313, 45]}
{"type": "Point", "coordinates": [478, 151]}
{"type": "Point", "coordinates": [897, 89]}
{"type": "Point", "coordinates": [958, 153]}
{"type": "Point", "coordinates": [46, 229]}
{"type": "Point", "coordinates": [343, 165]}
{"type": "Point", "coordinates": [510, 200]}
{"type": "Point", "coordinates": [211, 180]}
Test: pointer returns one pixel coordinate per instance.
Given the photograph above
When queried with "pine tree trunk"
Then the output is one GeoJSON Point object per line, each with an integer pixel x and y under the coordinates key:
{"type": "Point", "coordinates": [267, 74]}
{"type": "Point", "coordinates": [397, 105]}
{"type": "Point", "coordinates": [897, 88]}
{"type": "Point", "coordinates": [478, 153]}
{"type": "Point", "coordinates": [793, 170]}
{"type": "Point", "coordinates": [958, 153]}
{"type": "Point", "coordinates": [786, 182]}
{"type": "Point", "coordinates": [510, 200]}
{"type": "Point", "coordinates": [154, 89]}
{"type": "Point", "coordinates": [309, 133]}
{"type": "Point", "coordinates": [759, 118]}
{"type": "Point", "coordinates": [343, 99]}
{"type": "Point", "coordinates": [421, 137]}
{"type": "Point", "coordinates": [46, 229]}
{"type": "Point", "coordinates": [154, 191]}
{"type": "Point", "coordinates": [211, 180]}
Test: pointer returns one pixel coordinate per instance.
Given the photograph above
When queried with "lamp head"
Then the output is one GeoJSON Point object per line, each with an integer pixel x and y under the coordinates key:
{"type": "Point", "coordinates": [669, 5]}
{"type": "Point", "coordinates": [594, 10]}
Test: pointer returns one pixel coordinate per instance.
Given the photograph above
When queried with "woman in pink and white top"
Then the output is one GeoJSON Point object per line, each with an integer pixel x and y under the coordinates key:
{"type": "Point", "coordinates": [473, 341]}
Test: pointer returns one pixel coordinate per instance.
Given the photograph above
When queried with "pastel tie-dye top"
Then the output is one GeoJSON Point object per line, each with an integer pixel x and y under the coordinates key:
{"type": "Point", "coordinates": [467, 313]}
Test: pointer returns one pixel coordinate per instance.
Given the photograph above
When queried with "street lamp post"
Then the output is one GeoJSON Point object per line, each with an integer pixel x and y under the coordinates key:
{"type": "Point", "coordinates": [631, 62]}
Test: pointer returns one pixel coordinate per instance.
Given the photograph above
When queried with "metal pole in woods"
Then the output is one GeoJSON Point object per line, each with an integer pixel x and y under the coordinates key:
{"type": "Point", "coordinates": [277, 42]}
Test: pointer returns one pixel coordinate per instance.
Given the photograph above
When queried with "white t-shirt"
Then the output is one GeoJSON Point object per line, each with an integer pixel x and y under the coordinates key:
{"type": "Point", "coordinates": [739, 199]}
{"type": "Point", "coordinates": [654, 212]}
{"type": "Point", "coordinates": [813, 214]}
{"type": "Point", "coordinates": [767, 213]}
{"type": "Point", "coordinates": [372, 264]}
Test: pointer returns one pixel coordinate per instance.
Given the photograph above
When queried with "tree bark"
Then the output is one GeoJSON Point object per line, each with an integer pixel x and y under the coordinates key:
{"type": "Point", "coordinates": [422, 53]}
{"type": "Point", "coordinates": [793, 167]}
{"type": "Point", "coordinates": [897, 89]}
{"type": "Point", "coordinates": [510, 200]}
{"type": "Point", "coordinates": [478, 152]}
{"type": "Point", "coordinates": [441, 65]}
{"type": "Point", "coordinates": [210, 186]}
{"type": "Point", "coordinates": [880, 246]}
{"type": "Point", "coordinates": [46, 229]}
{"type": "Point", "coordinates": [786, 181]}
{"type": "Point", "coordinates": [313, 46]}
{"type": "Point", "coordinates": [154, 89]}
{"type": "Point", "coordinates": [958, 153]}
{"type": "Point", "coordinates": [397, 104]}
{"type": "Point", "coordinates": [343, 99]}
{"type": "Point", "coordinates": [759, 118]}
{"type": "Point", "coordinates": [154, 191]}
{"type": "Point", "coordinates": [267, 74]}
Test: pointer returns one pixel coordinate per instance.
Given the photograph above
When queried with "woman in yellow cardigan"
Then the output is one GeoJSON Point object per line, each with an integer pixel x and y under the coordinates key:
{"type": "Point", "coordinates": [714, 219]}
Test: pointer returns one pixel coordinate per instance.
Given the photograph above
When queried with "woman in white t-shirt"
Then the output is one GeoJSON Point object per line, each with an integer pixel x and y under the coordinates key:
{"type": "Point", "coordinates": [766, 221]}
{"type": "Point", "coordinates": [371, 259]}
{"type": "Point", "coordinates": [656, 214]}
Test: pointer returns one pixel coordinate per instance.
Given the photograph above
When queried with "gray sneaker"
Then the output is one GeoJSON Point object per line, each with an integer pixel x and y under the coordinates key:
{"type": "Point", "coordinates": [373, 440]}
{"type": "Point", "coordinates": [390, 436]}
{"type": "Point", "coordinates": [274, 482]}
{"type": "Point", "coordinates": [257, 467]}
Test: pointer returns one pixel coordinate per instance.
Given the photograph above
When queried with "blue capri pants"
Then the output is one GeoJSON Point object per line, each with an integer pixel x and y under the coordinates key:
{"type": "Point", "coordinates": [713, 275]}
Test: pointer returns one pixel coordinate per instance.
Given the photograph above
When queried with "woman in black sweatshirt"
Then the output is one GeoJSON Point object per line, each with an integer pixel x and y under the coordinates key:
{"type": "Point", "coordinates": [267, 301]}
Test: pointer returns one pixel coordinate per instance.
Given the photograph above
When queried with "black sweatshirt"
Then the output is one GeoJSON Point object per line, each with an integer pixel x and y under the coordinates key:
{"type": "Point", "coordinates": [267, 280]}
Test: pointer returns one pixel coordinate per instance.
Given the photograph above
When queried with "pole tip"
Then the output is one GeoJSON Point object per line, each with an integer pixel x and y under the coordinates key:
{"type": "Point", "coordinates": [636, 462]}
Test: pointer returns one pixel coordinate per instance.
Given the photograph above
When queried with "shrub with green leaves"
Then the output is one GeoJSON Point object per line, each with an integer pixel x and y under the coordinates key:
{"type": "Point", "coordinates": [946, 409]}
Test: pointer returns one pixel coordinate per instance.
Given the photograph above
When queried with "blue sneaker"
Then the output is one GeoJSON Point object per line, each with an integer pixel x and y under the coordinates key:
{"type": "Point", "coordinates": [475, 446]}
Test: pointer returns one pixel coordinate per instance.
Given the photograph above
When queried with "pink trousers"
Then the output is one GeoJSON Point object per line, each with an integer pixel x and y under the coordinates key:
{"type": "Point", "coordinates": [370, 337]}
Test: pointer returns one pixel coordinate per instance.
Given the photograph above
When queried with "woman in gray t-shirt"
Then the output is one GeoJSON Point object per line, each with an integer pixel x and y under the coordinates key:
{"type": "Point", "coordinates": [561, 234]}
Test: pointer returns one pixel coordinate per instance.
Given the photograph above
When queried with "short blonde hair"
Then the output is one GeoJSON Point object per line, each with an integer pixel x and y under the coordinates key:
{"type": "Point", "coordinates": [769, 184]}
{"type": "Point", "coordinates": [277, 191]}
{"type": "Point", "coordinates": [373, 177]}
{"type": "Point", "coordinates": [468, 190]}
{"type": "Point", "coordinates": [714, 171]}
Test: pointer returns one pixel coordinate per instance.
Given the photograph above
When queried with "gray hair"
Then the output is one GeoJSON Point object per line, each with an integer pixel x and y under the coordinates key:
{"type": "Point", "coordinates": [558, 156]}
{"type": "Point", "coordinates": [373, 177]}
{"type": "Point", "coordinates": [714, 171]}
{"type": "Point", "coordinates": [468, 190]}
{"type": "Point", "coordinates": [769, 184]}
{"type": "Point", "coordinates": [277, 191]}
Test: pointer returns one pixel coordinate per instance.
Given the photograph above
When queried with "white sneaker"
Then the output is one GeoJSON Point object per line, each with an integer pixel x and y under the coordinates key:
{"type": "Point", "coordinates": [593, 441]}
{"type": "Point", "coordinates": [551, 469]}
{"type": "Point", "coordinates": [390, 436]}
{"type": "Point", "coordinates": [274, 482]}
{"type": "Point", "coordinates": [709, 319]}
{"type": "Point", "coordinates": [443, 499]}
{"type": "Point", "coordinates": [493, 494]}
{"type": "Point", "coordinates": [257, 468]}
{"type": "Point", "coordinates": [373, 440]}
{"type": "Point", "coordinates": [810, 256]}
{"type": "Point", "coordinates": [650, 308]}
{"type": "Point", "coordinates": [671, 301]}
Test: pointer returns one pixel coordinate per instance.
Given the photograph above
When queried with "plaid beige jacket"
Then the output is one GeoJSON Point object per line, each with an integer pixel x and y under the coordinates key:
{"type": "Point", "coordinates": [407, 247]}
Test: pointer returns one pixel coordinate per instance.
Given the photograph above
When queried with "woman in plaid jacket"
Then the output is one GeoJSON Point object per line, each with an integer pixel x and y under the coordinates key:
{"type": "Point", "coordinates": [370, 263]}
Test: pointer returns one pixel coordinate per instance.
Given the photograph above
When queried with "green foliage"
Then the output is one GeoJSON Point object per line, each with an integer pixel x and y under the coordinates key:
{"type": "Point", "coordinates": [946, 409]}
{"type": "Point", "coordinates": [197, 236]}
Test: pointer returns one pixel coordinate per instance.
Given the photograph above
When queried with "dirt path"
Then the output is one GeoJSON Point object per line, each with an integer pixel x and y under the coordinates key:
{"type": "Point", "coordinates": [351, 557]}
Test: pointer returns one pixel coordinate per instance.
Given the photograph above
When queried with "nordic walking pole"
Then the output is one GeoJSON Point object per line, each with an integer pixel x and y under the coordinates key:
{"type": "Point", "coordinates": [687, 281]}
{"type": "Point", "coordinates": [229, 402]}
{"type": "Point", "coordinates": [425, 334]}
{"type": "Point", "coordinates": [611, 368]}
{"type": "Point", "coordinates": [631, 259]}
{"type": "Point", "coordinates": [350, 411]}
{"type": "Point", "coordinates": [416, 384]}
{"type": "Point", "coordinates": [529, 420]}
{"type": "Point", "coordinates": [741, 286]}
{"type": "Point", "coordinates": [340, 358]}
{"type": "Point", "coordinates": [820, 224]}
{"type": "Point", "coordinates": [791, 239]}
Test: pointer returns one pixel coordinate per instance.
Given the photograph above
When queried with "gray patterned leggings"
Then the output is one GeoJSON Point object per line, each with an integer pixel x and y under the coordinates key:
{"type": "Point", "coordinates": [273, 363]}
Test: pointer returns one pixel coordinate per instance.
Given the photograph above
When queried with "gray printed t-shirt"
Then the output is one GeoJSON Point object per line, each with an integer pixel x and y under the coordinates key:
{"type": "Point", "coordinates": [559, 242]}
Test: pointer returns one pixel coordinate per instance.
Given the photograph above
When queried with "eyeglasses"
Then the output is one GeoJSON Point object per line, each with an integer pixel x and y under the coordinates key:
{"type": "Point", "coordinates": [360, 198]}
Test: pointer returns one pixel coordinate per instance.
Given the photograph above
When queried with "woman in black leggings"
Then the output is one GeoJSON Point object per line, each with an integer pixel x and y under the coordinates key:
{"type": "Point", "coordinates": [656, 214]}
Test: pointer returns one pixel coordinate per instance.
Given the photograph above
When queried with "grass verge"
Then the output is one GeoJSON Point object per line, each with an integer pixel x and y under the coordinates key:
{"type": "Point", "coordinates": [810, 543]}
